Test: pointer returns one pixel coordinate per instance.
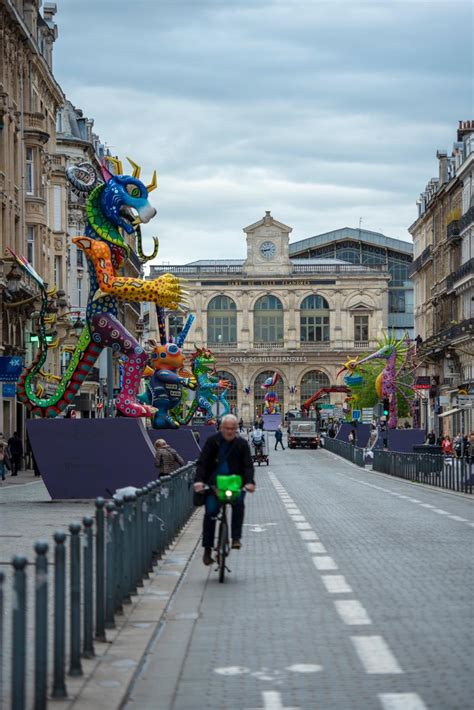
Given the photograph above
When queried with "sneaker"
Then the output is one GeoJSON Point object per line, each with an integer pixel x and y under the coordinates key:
{"type": "Point", "coordinates": [236, 544]}
{"type": "Point", "coordinates": [207, 557]}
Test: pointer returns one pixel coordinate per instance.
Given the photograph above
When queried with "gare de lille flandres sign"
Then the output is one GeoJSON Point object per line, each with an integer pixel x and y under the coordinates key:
{"type": "Point", "coordinates": [267, 359]}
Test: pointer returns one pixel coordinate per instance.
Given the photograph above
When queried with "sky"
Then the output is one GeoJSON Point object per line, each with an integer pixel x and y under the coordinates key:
{"type": "Point", "coordinates": [323, 111]}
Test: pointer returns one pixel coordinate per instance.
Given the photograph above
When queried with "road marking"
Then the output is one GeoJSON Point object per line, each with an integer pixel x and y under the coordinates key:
{"type": "Point", "coordinates": [375, 655]}
{"type": "Point", "coordinates": [427, 505]}
{"type": "Point", "coordinates": [303, 526]}
{"type": "Point", "coordinates": [401, 701]}
{"type": "Point", "coordinates": [272, 701]}
{"type": "Point", "coordinates": [297, 518]}
{"type": "Point", "coordinates": [458, 517]}
{"type": "Point", "coordinates": [352, 612]}
{"type": "Point", "coordinates": [304, 668]}
{"type": "Point", "coordinates": [316, 548]}
{"type": "Point", "coordinates": [308, 535]}
{"type": "Point", "coordinates": [232, 670]}
{"type": "Point", "coordinates": [324, 563]}
{"type": "Point", "coordinates": [440, 512]}
{"type": "Point", "coordinates": [336, 584]}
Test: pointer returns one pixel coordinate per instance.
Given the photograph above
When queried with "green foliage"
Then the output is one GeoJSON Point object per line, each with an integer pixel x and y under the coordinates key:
{"type": "Point", "coordinates": [368, 397]}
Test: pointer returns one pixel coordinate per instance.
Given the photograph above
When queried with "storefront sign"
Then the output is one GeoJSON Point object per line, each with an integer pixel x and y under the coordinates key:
{"type": "Point", "coordinates": [267, 359]}
{"type": "Point", "coordinates": [8, 389]}
{"type": "Point", "coordinates": [10, 368]}
{"type": "Point", "coordinates": [423, 383]}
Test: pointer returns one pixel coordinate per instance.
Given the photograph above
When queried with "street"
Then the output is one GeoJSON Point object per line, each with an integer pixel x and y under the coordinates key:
{"type": "Point", "coordinates": [352, 590]}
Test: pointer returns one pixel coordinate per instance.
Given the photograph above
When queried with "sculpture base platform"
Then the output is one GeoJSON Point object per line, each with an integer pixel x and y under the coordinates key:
{"type": "Point", "coordinates": [401, 440]}
{"type": "Point", "coordinates": [86, 458]}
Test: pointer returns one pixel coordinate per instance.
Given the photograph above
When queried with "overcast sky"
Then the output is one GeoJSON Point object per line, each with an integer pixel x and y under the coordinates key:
{"type": "Point", "coordinates": [323, 111]}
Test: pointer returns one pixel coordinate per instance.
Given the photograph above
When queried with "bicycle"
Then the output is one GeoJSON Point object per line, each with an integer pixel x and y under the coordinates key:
{"type": "Point", "coordinates": [228, 489]}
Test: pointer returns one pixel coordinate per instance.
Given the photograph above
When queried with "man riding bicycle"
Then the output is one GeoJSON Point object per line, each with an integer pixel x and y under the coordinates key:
{"type": "Point", "coordinates": [224, 454]}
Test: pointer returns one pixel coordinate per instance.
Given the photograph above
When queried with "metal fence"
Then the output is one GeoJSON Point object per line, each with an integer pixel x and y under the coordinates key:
{"type": "Point", "coordinates": [346, 450]}
{"type": "Point", "coordinates": [455, 474]}
{"type": "Point", "coordinates": [97, 569]}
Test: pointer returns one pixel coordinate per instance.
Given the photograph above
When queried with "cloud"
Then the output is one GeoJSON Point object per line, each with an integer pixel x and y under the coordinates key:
{"type": "Point", "coordinates": [321, 111]}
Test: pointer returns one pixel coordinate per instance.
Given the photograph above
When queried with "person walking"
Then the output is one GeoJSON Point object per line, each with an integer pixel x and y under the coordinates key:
{"type": "Point", "coordinates": [431, 438]}
{"type": "Point", "coordinates": [167, 459]}
{"type": "Point", "coordinates": [3, 453]}
{"type": "Point", "coordinates": [241, 425]}
{"type": "Point", "coordinates": [447, 446]}
{"type": "Point", "coordinates": [352, 437]}
{"type": "Point", "coordinates": [16, 452]}
{"type": "Point", "coordinates": [223, 454]}
{"type": "Point", "coordinates": [279, 438]}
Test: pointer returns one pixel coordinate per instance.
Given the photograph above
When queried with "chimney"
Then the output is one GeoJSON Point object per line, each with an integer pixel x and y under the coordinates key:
{"type": "Point", "coordinates": [443, 167]}
{"type": "Point", "coordinates": [268, 217]}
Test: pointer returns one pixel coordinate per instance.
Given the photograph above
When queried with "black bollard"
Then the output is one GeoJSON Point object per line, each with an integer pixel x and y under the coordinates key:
{"type": "Point", "coordinates": [59, 685]}
{"type": "Point", "coordinates": [75, 666]}
{"type": "Point", "coordinates": [109, 567]}
{"type": "Point", "coordinates": [88, 620]}
{"type": "Point", "coordinates": [99, 570]}
{"type": "Point", "coordinates": [19, 633]}
{"type": "Point", "coordinates": [41, 625]}
{"type": "Point", "coordinates": [2, 581]}
{"type": "Point", "coordinates": [118, 555]}
{"type": "Point", "coordinates": [138, 539]}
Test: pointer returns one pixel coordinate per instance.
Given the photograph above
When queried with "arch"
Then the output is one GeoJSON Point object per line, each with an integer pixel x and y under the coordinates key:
{"type": "Point", "coordinates": [314, 319]}
{"type": "Point", "coordinates": [231, 395]}
{"type": "Point", "coordinates": [311, 382]}
{"type": "Point", "coordinates": [268, 320]}
{"type": "Point", "coordinates": [259, 392]}
{"type": "Point", "coordinates": [221, 321]}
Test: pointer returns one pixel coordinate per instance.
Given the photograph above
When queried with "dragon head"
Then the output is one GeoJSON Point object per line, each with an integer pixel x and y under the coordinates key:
{"type": "Point", "coordinates": [203, 359]}
{"type": "Point", "coordinates": [350, 366]}
{"type": "Point", "coordinates": [165, 357]}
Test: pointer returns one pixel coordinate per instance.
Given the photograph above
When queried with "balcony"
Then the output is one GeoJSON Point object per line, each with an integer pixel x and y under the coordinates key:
{"type": "Point", "coordinates": [223, 346]}
{"type": "Point", "coordinates": [453, 230]}
{"type": "Point", "coordinates": [449, 336]}
{"type": "Point", "coordinates": [464, 270]}
{"type": "Point", "coordinates": [420, 261]}
{"type": "Point", "coordinates": [230, 269]}
{"type": "Point", "coordinates": [35, 126]}
{"type": "Point", "coordinates": [316, 345]}
{"type": "Point", "coordinates": [361, 344]}
{"type": "Point", "coordinates": [467, 219]}
{"type": "Point", "coordinates": [269, 346]}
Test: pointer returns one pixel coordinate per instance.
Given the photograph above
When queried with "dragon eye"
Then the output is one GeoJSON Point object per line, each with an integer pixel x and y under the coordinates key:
{"type": "Point", "coordinates": [154, 356]}
{"type": "Point", "coordinates": [163, 355]}
{"type": "Point", "coordinates": [173, 349]}
{"type": "Point", "coordinates": [133, 190]}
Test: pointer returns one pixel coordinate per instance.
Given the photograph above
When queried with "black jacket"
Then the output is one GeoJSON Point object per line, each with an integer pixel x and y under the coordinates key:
{"type": "Point", "coordinates": [239, 460]}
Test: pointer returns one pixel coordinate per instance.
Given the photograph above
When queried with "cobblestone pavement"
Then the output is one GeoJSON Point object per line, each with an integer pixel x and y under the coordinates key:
{"type": "Point", "coordinates": [353, 591]}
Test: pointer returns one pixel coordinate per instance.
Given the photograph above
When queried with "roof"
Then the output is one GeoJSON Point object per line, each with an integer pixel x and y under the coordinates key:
{"type": "Point", "coordinates": [364, 235]}
{"type": "Point", "coordinates": [240, 262]}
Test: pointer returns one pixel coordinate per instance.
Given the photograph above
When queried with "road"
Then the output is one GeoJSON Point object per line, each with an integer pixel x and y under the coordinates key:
{"type": "Point", "coordinates": [353, 590]}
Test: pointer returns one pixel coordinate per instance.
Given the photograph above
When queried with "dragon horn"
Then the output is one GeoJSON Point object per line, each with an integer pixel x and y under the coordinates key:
{"type": "Point", "coordinates": [153, 185]}
{"type": "Point", "coordinates": [136, 168]}
{"type": "Point", "coordinates": [183, 335]}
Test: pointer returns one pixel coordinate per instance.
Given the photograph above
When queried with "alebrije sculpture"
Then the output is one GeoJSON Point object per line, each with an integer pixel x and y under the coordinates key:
{"type": "Point", "coordinates": [272, 404]}
{"type": "Point", "coordinates": [210, 388]}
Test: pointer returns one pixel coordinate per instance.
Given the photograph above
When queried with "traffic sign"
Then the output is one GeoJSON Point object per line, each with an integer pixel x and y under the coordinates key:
{"type": "Point", "coordinates": [465, 400]}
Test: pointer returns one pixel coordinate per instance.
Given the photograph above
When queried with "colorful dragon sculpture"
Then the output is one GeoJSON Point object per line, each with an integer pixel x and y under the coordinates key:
{"type": "Point", "coordinates": [271, 401]}
{"type": "Point", "coordinates": [397, 376]}
{"type": "Point", "coordinates": [209, 388]}
{"type": "Point", "coordinates": [115, 203]}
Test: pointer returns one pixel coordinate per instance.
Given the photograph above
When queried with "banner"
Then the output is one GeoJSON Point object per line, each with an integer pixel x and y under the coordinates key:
{"type": "Point", "coordinates": [10, 368]}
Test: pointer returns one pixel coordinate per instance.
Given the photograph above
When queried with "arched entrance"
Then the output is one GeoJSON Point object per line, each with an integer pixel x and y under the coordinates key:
{"type": "Point", "coordinates": [259, 392]}
{"type": "Point", "coordinates": [311, 382]}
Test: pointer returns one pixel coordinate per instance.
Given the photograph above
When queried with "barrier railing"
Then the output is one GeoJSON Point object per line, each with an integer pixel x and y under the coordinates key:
{"type": "Point", "coordinates": [455, 474]}
{"type": "Point", "coordinates": [346, 450]}
{"type": "Point", "coordinates": [104, 560]}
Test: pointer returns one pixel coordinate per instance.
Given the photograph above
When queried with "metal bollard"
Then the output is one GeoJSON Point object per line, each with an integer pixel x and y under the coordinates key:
{"type": "Point", "coordinates": [118, 556]}
{"type": "Point", "coordinates": [149, 528]}
{"type": "Point", "coordinates": [2, 580]}
{"type": "Point", "coordinates": [88, 619]}
{"type": "Point", "coordinates": [133, 542]}
{"type": "Point", "coordinates": [99, 570]}
{"type": "Point", "coordinates": [19, 633]}
{"type": "Point", "coordinates": [59, 685]}
{"type": "Point", "coordinates": [138, 539]}
{"type": "Point", "coordinates": [109, 568]}
{"type": "Point", "coordinates": [41, 625]}
{"type": "Point", "coordinates": [144, 535]}
{"type": "Point", "coordinates": [127, 552]}
{"type": "Point", "coordinates": [75, 666]}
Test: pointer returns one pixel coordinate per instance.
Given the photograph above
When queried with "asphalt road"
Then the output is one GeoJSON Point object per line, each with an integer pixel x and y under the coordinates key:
{"type": "Point", "coordinates": [353, 590]}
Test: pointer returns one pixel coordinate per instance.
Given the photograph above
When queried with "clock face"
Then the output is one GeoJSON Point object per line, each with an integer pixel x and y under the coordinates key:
{"type": "Point", "coordinates": [268, 250]}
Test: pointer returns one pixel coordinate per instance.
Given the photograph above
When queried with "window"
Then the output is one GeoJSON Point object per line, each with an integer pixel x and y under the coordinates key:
{"type": "Point", "coordinates": [175, 326]}
{"type": "Point", "coordinates": [30, 244]}
{"type": "Point", "coordinates": [79, 258]}
{"type": "Point", "coordinates": [268, 320]}
{"type": "Point", "coordinates": [221, 321]}
{"type": "Point", "coordinates": [398, 271]}
{"type": "Point", "coordinates": [361, 329]}
{"type": "Point", "coordinates": [259, 392]}
{"type": "Point", "coordinates": [59, 121]}
{"type": "Point", "coordinates": [311, 382]}
{"type": "Point", "coordinates": [30, 172]}
{"type": "Point", "coordinates": [314, 320]}
{"type": "Point", "coordinates": [58, 276]}
{"type": "Point", "coordinates": [231, 394]}
{"type": "Point", "coordinates": [57, 211]}
{"type": "Point", "coordinates": [79, 293]}
{"type": "Point", "coordinates": [396, 301]}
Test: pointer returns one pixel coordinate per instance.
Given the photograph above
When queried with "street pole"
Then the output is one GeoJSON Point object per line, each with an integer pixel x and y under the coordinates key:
{"type": "Point", "coordinates": [110, 382]}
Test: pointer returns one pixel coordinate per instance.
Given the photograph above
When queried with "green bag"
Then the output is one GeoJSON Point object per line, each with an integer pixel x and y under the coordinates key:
{"type": "Point", "coordinates": [228, 488]}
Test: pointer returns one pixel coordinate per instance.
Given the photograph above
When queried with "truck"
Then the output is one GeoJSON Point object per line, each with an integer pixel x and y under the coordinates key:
{"type": "Point", "coordinates": [302, 433]}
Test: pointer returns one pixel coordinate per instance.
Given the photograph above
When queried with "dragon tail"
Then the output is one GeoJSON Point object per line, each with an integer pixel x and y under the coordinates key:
{"type": "Point", "coordinates": [189, 415]}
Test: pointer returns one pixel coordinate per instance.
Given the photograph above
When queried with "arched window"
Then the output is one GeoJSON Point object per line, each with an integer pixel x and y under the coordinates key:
{"type": "Point", "coordinates": [175, 325]}
{"type": "Point", "coordinates": [259, 392]}
{"type": "Point", "coordinates": [268, 320]}
{"type": "Point", "coordinates": [231, 394]}
{"type": "Point", "coordinates": [314, 320]}
{"type": "Point", "coordinates": [311, 382]}
{"type": "Point", "coordinates": [221, 321]}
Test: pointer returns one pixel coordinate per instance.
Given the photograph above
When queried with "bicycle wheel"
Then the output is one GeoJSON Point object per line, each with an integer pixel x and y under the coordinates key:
{"type": "Point", "coordinates": [223, 545]}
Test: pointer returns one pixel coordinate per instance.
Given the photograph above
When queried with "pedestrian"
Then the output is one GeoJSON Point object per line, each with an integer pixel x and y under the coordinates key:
{"type": "Point", "coordinates": [447, 446]}
{"type": "Point", "coordinates": [167, 459]}
{"type": "Point", "coordinates": [223, 454]}
{"type": "Point", "coordinates": [241, 425]}
{"type": "Point", "coordinates": [431, 438]}
{"type": "Point", "coordinates": [15, 446]}
{"type": "Point", "coordinates": [352, 437]}
{"type": "Point", "coordinates": [260, 423]}
{"type": "Point", "coordinates": [279, 437]}
{"type": "Point", "coordinates": [3, 453]}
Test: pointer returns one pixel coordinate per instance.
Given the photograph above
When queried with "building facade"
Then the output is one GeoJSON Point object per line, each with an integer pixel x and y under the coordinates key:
{"type": "Point", "coordinates": [275, 312]}
{"type": "Point", "coordinates": [443, 276]}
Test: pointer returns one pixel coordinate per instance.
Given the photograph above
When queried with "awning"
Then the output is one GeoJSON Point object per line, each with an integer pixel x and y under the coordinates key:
{"type": "Point", "coordinates": [450, 411]}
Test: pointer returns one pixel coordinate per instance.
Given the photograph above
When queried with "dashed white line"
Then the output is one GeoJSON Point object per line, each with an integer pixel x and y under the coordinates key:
{"type": "Point", "coordinates": [297, 518]}
{"type": "Point", "coordinates": [458, 517]}
{"type": "Point", "coordinates": [336, 584]}
{"type": "Point", "coordinates": [324, 564]}
{"type": "Point", "coordinates": [308, 535]}
{"type": "Point", "coordinates": [303, 526]}
{"type": "Point", "coordinates": [352, 612]}
{"type": "Point", "coordinates": [440, 512]}
{"type": "Point", "coordinates": [401, 701]}
{"type": "Point", "coordinates": [427, 505]}
{"type": "Point", "coordinates": [316, 548]}
{"type": "Point", "coordinates": [375, 655]}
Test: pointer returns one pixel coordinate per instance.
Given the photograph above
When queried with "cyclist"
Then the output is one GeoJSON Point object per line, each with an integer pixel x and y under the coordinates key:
{"type": "Point", "coordinates": [223, 454]}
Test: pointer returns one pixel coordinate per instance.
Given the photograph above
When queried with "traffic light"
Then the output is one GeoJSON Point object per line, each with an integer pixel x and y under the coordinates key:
{"type": "Point", "coordinates": [385, 407]}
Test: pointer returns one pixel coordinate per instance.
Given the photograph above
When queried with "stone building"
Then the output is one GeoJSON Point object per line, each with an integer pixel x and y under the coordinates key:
{"type": "Point", "coordinates": [32, 184]}
{"type": "Point", "coordinates": [275, 312]}
{"type": "Point", "coordinates": [443, 276]}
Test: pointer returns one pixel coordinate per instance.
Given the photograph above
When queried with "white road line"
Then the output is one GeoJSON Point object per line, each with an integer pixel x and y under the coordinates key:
{"type": "Point", "coordinates": [414, 500]}
{"type": "Point", "coordinates": [297, 518]}
{"type": "Point", "coordinates": [324, 564]}
{"type": "Point", "coordinates": [272, 701]}
{"type": "Point", "coordinates": [427, 505]}
{"type": "Point", "coordinates": [401, 701]}
{"type": "Point", "coordinates": [458, 517]}
{"type": "Point", "coordinates": [316, 548]}
{"type": "Point", "coordinates": [303, 526]}
{"type": "Point", "coordinates": [440, 512]}
{"type": "Point", "coordinates": [336, 584]}
{"type": "Point", "coordinates": [375, 655]}
{"type": "Point", "coordinates": [308, 535]}
{"type": "Point", "coordinates": [352, 612]}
